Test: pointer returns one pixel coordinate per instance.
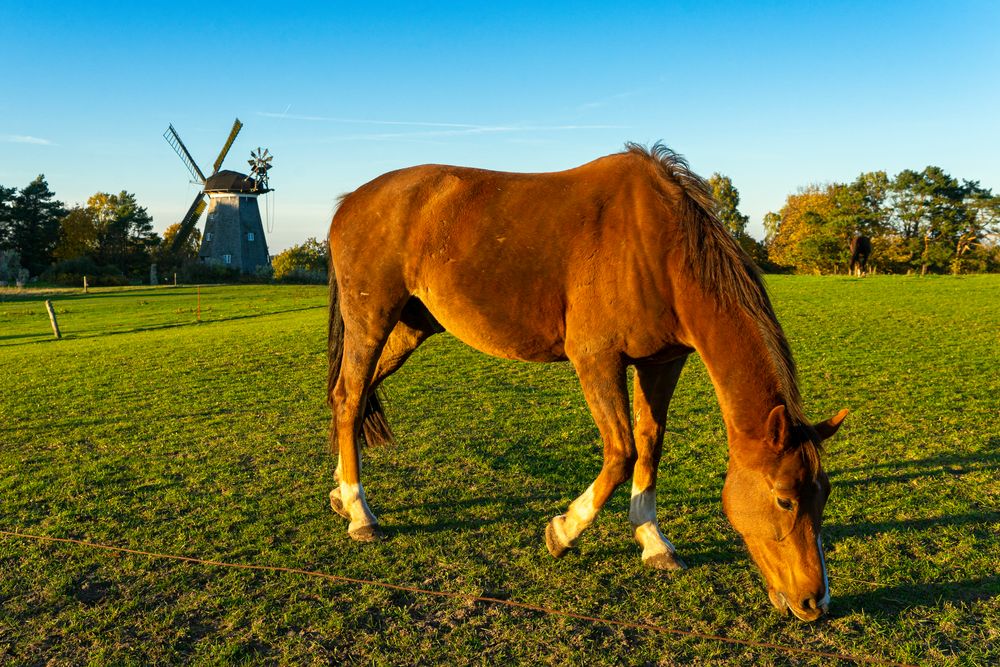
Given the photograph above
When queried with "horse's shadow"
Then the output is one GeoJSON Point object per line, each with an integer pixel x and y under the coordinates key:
{"type": "Point", "coordinates": [563, 477]}
{"type": "Point", "coordinates": [460, 515]}
{"type": "Point", "coordinates": [557, 481]}
{"type": "Point", "coordinates": [492, 505]}
{"type": "Point", "coordinates": [905, 471]}
{"type": "Point", "coordinates": [894, 599]}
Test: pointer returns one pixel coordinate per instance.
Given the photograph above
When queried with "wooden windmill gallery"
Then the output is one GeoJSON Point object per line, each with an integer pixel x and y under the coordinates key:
{"type": "Point", "coordinates": [234, 233]}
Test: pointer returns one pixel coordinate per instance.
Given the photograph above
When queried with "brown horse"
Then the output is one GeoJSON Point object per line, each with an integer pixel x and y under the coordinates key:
{"type": "Point", "coordinates": [619, 262]}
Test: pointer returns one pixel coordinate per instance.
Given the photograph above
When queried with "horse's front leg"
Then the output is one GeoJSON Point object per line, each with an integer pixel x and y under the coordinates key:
{"type": "Point", "coordinates": [603, 383]}
{"type": "Point", "coordinates": [654, 385]}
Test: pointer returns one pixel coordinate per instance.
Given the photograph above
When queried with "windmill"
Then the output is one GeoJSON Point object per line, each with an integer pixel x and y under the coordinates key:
{"type": "Point", "coordinates": [234, 235]}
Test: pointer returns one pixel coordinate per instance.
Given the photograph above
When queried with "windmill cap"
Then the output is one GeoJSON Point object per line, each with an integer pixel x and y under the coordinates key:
{"type": "Point", "coordinates": [232, 181]}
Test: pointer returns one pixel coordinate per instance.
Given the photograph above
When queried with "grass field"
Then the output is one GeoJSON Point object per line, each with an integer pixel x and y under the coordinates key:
{"type": "Point", "coordinates": [146, 430]}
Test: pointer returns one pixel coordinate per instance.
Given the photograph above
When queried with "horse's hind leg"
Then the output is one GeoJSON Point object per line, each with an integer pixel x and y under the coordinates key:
{"type": "Point", "coordinates": [603, 382]}
{"type": "Point", "coordinates": [348, 400]}
{"type": "Point", "coordinates": [415, 326]}
{"type": "Point", "coordinates": [654, 385]}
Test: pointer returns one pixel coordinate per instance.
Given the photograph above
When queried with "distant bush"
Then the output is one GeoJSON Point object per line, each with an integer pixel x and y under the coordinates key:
{"type": "Point", "coordinates": [70, 273]}
{"type": "Point", "coordinates": [264, 274]}
{"type": "Point", "coordinates": [304, 263]}
{"type": "Point", "coordinates": [194, 271]}
{"type": "Point", "coordinates": [302, 276]}
{"type": "Point", "coordinates": [10, 267]}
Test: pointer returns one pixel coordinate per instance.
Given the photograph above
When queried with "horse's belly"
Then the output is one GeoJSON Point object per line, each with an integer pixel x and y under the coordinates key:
{"type": "Point", "coordinates": [499, 344]}
{"type": "Point", "coordinates": [525, 333]}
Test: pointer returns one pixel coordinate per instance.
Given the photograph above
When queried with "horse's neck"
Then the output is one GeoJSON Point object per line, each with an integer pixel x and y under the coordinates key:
{"type": "Point", "coordinates": [740, 364]}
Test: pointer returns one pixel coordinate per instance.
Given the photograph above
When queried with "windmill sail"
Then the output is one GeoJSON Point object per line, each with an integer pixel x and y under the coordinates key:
{"type": "Point", "coordinates": [188, 222]}
{"type": "Point", "coordinates": [237, 125]}
{"type": "Point", "coordinates": [175, 142]}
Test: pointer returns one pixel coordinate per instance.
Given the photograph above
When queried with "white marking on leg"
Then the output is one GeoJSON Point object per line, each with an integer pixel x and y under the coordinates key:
{"type": "Point", "coordinates": [335, 496]}
{"type": "Point", "coordinates": [642, 516]}
{"type": "Point", "coordinates": [353, 497]}
{"type": "Point", "coordinates": [642, 507]}
{"type": "Point", "coordinates": [580, 514]}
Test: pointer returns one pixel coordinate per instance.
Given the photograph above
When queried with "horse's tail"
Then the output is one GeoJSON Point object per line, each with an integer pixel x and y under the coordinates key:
{"type": "Point", "coordinates": [334, 337]}
{"type": "Point", "coordinates": [375, 426]}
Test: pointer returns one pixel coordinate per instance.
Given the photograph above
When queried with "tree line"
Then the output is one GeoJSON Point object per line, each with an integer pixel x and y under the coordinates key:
{"type": "Point", "coordinates": [918, 222]}
{"type": "Point", "coordinates": [924, 221]}
{"type": "Point", "coordinates": [110, 239]}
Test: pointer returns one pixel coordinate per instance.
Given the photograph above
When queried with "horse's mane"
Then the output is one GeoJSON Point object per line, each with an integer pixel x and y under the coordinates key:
{"type": "Point", "coordinates": [724, 270]}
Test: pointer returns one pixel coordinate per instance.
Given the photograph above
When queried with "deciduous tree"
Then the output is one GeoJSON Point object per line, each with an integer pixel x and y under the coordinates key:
{"type": "Point", "coordinates": [307, 262]}
{"type": "Point", "coordinates": [125, 231]}
{"type": "Point", "coordinates": [727, 200]}
{"type": "Point", "coordinates": [189, 250]}
{"type": "Point", "coordinates": [78, 235]}
{"type": "Point", "coordinates": [939, 219]}
{"type": "Point", "coordinates": [803, 238]}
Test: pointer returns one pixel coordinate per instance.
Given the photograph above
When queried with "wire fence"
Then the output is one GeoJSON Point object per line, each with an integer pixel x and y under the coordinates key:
{"type": "Point", "coordinates": [651, 627]}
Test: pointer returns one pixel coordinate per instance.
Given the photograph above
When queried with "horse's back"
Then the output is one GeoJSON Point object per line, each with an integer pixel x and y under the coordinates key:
{"type": "Point", "coordinates": [504, 260]}
{"type": "Point", "coordinates": [442, 212]}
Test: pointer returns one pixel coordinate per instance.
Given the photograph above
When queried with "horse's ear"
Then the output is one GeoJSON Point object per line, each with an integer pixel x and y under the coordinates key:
{"type": "Point", "coordinates": [777, 427]}
{"type": "Point", "coordinates": [826, 429]}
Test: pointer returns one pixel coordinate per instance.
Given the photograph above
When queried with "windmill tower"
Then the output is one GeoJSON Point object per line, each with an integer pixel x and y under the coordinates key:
{"type": "Point", "coordinates": [234, 234]}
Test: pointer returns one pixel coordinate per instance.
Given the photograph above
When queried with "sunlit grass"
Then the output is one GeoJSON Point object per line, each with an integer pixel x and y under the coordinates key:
{"type": "Point", "coordinates": [145, 429]}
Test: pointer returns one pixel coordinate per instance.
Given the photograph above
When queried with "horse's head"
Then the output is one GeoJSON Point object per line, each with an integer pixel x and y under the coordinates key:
{"type": "Point", "coordinates": [774, 496]}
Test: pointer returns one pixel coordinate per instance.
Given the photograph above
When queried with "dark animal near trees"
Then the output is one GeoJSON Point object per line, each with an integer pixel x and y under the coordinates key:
{"type": "Point", "coordinates": [619, 262]}
{"type": "Point", "coordinates": [861, 248]}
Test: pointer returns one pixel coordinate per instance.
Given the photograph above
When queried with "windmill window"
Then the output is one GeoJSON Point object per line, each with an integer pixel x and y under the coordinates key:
{"type": "Point", "coordinates": [228, 259]}
{"type": "Point", "coordinates": [208, 236]}
{"type": "Point", "coordinates": [249, 236]}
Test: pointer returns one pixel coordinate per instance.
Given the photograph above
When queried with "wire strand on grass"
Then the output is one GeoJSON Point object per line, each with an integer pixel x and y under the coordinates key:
{"type": "Point", "coordinates": [691, 634]}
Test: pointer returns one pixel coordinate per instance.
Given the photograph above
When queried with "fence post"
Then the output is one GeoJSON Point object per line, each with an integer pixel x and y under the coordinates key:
{"type": "Point", "coordinates": [85, 284]}
{"type": "Point", "coordinates": [52, 318]}
{"type": "Point", "coordinates": [199, 303]}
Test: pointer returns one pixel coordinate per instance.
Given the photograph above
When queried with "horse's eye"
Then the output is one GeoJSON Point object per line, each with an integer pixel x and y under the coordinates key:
{"type": "Point", "coordinates": [786, 504]}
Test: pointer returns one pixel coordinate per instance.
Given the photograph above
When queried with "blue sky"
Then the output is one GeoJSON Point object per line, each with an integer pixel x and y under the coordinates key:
{"type": "Point", "coordinates": [774, 95]}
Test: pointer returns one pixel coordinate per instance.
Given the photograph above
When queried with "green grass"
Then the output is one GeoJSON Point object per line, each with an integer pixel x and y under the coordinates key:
{"type": "Point", "coordinates": [146, 430]}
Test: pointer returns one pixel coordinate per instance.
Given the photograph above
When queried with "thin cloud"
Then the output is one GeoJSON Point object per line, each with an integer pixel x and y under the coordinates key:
{"type": "Point", "coordinates": [611, 99]}
{"type": "Point", "coordinates": [24, 139]}
{"type": "Point", "coordinates": [442, 130]}
{"type": "Point", "coordinates": [437, 134]}
{"type": "Point", "coordinates": [361, 121]}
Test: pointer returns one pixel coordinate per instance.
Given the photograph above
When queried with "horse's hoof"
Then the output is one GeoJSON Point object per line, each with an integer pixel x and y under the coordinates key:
{"type": "Point", "coordinates": [369, 533]}
{"type": "Point", "coordinates": [337, 505]}
{"type": "Point", "coordinates": [552, 542]}
{"type": "Point", "coordinates": [665, 561]}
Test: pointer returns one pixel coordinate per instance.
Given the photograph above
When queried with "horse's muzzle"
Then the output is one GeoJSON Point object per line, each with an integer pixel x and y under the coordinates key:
{"type": "Point", "coordinates": [808, 610]}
